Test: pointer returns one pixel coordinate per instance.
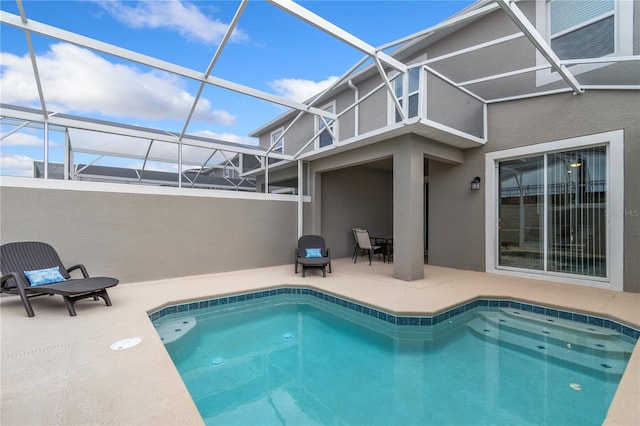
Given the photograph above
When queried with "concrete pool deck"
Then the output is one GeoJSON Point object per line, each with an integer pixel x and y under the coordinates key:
{"type": "Point", "coordinates": [57, 369]}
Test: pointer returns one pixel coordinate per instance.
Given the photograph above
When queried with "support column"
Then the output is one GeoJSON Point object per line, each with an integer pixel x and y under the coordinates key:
{"type": "Point", "coordinates": [300, 196]}
{"type": "Point", "coordinates": [408, 206]}
{"type": "Point", "coordinates": [316, 203]}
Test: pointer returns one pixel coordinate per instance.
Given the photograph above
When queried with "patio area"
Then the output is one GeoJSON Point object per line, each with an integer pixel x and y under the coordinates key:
{"type": "Point", "coordinates": [58, 369]}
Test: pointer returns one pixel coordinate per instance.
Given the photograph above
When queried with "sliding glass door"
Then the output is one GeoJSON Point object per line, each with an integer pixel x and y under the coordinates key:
{"type": "Point", "coordinates": [552, 212]}
{"type": "Point", "coordinates": [521, 213]}
{"type": "Point", "coordinates": [576, 209]}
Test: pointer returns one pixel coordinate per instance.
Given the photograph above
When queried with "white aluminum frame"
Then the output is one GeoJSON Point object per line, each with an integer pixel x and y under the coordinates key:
{"type": "Point", "coordinates": [384, 63]}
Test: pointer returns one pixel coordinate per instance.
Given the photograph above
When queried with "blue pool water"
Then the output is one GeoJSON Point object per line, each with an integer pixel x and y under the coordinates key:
{"type": "Point", "coordinates": [305, 361]}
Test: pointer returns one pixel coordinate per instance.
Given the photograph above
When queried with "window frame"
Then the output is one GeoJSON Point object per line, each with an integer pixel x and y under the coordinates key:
{"type": "Point", "coordinates": [318, 123]}
{"type": "Point", "coordinates": [278, 148]}
{"type": "Point", "coordinates": [623, 43]}
{"type": "Point", "coordinates": [406, 94]}
{"type": "Point", "coordinates": [614, 141]}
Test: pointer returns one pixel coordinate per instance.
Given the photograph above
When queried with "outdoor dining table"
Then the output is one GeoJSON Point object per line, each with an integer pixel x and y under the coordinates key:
{"type": "Point", "coordinates": [387, 246]}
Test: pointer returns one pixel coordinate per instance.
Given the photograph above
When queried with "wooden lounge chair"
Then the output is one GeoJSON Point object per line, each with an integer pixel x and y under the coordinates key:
{"type": "Point", "coordinates": [18, 258]}
{"type": "Point", "coordinates": [312, 253]}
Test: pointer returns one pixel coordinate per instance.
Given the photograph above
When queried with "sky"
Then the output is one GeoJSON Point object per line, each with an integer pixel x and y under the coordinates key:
{"type": "Point", "coordinates": [269, 50]}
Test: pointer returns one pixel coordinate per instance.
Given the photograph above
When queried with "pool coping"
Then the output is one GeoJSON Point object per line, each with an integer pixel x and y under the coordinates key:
{"type": "Point", "coordinates": [100, 385]}
{"type": "Point", "coordinates": [395, 318]}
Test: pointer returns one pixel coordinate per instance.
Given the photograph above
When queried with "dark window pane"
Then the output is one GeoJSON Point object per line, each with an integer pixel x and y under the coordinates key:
{"type": "Point", "coordinates": [398, 116]}
{"type": "Point", "coordinates": [413, 105]}
{"type": "Point", "coordinates": [593, 41]}
{"type": "Point", "coordinates": [325, 139]}
{"type": "Point", "coordinates": [414, 80]}
{"type": "Point", "coordinates": [398, 86]}
{"type": "Point", "coordinates": [572, 13]}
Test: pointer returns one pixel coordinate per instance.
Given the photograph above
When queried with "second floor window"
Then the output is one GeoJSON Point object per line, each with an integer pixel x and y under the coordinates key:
{"type": "Point", "coordinates": [325, 138]}
{"type": "Point", "coordinates": [276, 137]}
{"type": "Point", "coordinates": [413, 93]}
{"type": "Point", "coordinates": [582, 28]}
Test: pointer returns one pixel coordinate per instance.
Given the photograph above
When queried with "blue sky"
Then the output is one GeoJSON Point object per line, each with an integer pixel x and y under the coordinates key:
{"type": "Point", "coordinates": [270, 50]}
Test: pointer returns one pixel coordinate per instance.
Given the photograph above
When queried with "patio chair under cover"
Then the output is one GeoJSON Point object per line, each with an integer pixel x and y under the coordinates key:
{"type": "Point", "coordinates": [312, 253]}
{"type": "Point", "coordinates": [355, 239]}
{"type": "Point", "coordinates": [364, 243]}
{"type": "Point", "coordinates": [41, 260]}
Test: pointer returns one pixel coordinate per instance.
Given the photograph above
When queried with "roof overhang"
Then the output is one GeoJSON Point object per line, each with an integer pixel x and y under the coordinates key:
{"type": "Point", "coordinates": [424, 128]}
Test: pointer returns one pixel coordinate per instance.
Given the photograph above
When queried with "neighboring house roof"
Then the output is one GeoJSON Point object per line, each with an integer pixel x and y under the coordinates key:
{"type": "Point", "coordinates": [191, 178]}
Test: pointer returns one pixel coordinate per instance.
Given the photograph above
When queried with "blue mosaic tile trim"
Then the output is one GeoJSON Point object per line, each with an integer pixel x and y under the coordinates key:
{"type": "Point", "coordinates": [401, 320]}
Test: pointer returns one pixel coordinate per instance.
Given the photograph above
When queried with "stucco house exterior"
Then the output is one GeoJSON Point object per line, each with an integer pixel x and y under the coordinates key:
{"type": "Point", "coordinates": [515, 94]}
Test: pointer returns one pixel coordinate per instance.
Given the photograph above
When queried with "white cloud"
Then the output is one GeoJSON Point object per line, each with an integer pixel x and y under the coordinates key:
{"type": "Point", "coordinates": [299, 89]}
{"type": "Point", "coordinates": [78, 80]}
{"type": "Point", "coordinates": [23, 139]}
{"type": "Point", "coordinates": [154, 166]}
{"type": "Point", "coordinates": [228, 137]}
{"type": "Point", "coordinates": [182, 17]}
{"type": "Point", "coordinates": [15, 165]}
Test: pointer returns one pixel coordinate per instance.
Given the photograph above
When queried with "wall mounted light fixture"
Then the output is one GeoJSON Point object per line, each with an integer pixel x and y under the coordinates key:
{"type": "Point", "coordinates": [475, 183]}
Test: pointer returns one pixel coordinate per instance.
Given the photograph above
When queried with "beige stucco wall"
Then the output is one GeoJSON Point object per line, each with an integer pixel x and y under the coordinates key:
{"type": "Point", "coordinates": [456, 215]}
{"type": "Point", "coordinates": [137, 237]}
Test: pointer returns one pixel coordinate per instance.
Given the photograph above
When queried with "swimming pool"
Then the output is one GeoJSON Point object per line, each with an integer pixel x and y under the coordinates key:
{"type": "Point", "coordinates": [298, 356]}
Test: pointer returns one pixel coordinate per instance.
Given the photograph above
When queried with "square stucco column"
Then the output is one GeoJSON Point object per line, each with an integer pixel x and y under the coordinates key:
{"type": "Point", "coordinates": [408, 212]}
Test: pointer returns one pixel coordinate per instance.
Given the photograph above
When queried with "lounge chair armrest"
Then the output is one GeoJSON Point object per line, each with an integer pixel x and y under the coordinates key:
{"type": "Point", "coordinates": [5, 284]}
{"type": "Point", "coordinates": [82, 269]}
{"type": "Point", "coordinates": [327, 254]}
{"type": "Point", "coordinates": [4, 279]}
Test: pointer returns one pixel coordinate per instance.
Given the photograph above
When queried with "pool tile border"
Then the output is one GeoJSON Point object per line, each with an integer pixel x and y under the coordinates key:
{"type": "Point", "coordinates": [399, 319]}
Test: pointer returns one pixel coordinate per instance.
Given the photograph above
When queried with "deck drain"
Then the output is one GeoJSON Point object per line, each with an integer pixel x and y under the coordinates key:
{"type": "Point", "coordinates": [125, 343]}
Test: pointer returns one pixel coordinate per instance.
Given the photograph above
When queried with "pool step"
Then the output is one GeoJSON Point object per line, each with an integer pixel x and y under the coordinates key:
{"type": "Point", "coordinates": [598, 351]}
{"type": "Point", "coordinates": [179, 336]}
{"type": "Point", "coordinates": [174, 330]}
{"type": "Point", "coordinates": [600, 340]}
{"type": "Point", "coordinates": [587, 329]}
